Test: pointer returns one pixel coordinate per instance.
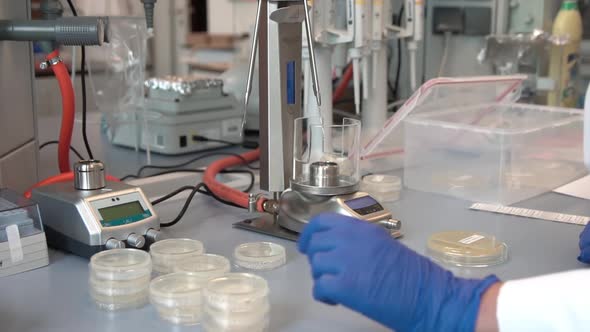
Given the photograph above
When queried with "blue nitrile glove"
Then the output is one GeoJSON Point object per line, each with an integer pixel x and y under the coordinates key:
{"type": "Point", "coordinates": [585, 245]}
{"type": "Point", "coordinates": [360, 266]}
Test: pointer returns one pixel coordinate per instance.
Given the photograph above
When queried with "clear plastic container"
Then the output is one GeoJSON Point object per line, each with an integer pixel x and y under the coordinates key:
{"type": "Point", "coordinates": [119, 278]}
{"type": "Point", "coordinates": [467, 249]}
{"type": "Point", "coordinates": [22, 239]}
{"type": "Point", "coordinates": [178, 297]}
{"type": "Point", "coordinates": [495, 153]}
{"type": "Point", "coordinates": [384, 188]}
{"type": "Point", "coordinates": [465, 137]}
{"type": "Point", "coordinates": [326, 156]}
{"type": "Point", "coordinates": [167, 254]}
{"type": "Point", "coordinates": [236, 292]}
{"type": "Point", "coordinates": [205, 267]}
{"type": "Point", "coordinates": [260, 255]}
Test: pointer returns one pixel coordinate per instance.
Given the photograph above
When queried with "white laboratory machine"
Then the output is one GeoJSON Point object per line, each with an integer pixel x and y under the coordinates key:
{"type": "Point", "coordinates": [93, 215]}
{"type": "Point", "coordinates": [183, 115]}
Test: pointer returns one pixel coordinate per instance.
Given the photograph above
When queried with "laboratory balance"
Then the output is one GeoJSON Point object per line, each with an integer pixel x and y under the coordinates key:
{"type": "Point", "coordinates": [92, 215]}
{"type": "Point", "coordinates": [326, 178]}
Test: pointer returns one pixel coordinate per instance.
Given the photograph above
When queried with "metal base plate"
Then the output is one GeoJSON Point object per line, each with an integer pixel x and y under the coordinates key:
{"type": "Point", "coordinates": [267, 225]}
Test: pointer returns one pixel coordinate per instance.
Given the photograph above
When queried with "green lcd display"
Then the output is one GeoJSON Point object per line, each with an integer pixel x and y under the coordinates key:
{"type": "Point", "coordinates": [121, 211]}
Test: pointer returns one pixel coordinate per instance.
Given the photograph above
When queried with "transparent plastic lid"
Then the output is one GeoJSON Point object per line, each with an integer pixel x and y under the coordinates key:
{"type": "Point", "coordinates": [260, 255]}
{"type": "Point", "coordinates": [236, 292]}
{"type": "Point", "coordinates": [326, 156]}
{"type": "Point", "coordinates": [467, 249]}
{"type": "Point", "coordinates": [438, 94]}
{"type": "Point", "coordinates": [121, 264]}
{"type": "Point", "coordinates": [206, 266]}
{"type": "Point", "coordinates": [177, 289]}
{"type": "Point", "coordinates": [176, 248]}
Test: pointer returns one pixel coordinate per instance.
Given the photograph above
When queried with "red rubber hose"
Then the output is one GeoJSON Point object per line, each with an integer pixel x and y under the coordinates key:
{"type": "Point", "coordinates": [227, 193]}
{"type": "Point", "coordinates": [63, 177]}
{"type": "Point", "coordinates": [68, 112]}
{"type": "Point", "coordinates": [344, 82]}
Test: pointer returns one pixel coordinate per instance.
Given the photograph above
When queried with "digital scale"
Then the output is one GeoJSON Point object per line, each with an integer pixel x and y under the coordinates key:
{"type": "Point", "coordinates": [93, 215]}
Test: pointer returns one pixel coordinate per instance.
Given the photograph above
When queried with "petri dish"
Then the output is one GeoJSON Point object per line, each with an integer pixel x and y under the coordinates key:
{"type": "Point", "coordinates": [260, 255]}
{"type": "Point", "coordinates": [229, 318]}
{"type": "Point", "coordinates": [236, 292]}
{"type": "Point", "coordinates": [122, 302]}
{"type": "Point", "coordinates": [206, 266]}
{"type": "Point", "coordinates": [176, 290]}
{"type": "Point", "coordinates": [167, 254]}
{"type": "Point", "coordinates": [467, 249]}
{"type": "Point", "coordinates": [121, 264]}
{"type": "Point", "coordinates": [384, 188]}
{"type": "Point", "coordinates": [189, 315]}
{"type": "Point", "coordinates": [210, 324]}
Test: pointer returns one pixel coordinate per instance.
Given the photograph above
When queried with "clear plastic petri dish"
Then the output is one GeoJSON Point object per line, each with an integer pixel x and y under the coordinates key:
{"type": "Point", "coordinates": [121, 264]}
{"type": "Point", "coordinates": [181, 315]}
{"type": "Point", "coordinates": [122, 302]}
{"type": "Point", "coordinates": [467, 249]}
{"type": "Point", "coordinates": [212, 325]}
{"type": "Point", "coordinates": [384, 188]}
{"type": "Point", "coordinates": [206, 266]}
{"type": "Point", "coordinates": [228, 318]}
{"type": "Point", "coordinates": [177, 290]}
{"type": "Point", "coordinates": [236, 292]}
{"type": "Point", "coordinates": [260, 255]}
{"type": "Point", "coordinates": [167, 254]}
{"type": "Point", "coordinates": [96, 282]}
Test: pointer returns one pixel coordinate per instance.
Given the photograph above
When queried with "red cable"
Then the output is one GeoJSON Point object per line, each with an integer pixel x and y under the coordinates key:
{"type": "Point", "coordinates": [344, 82]}
{"type": "Point", "coordinates": [63, 177]}
{"type": "Point", "coordinates": [227, 193]}
{"type": "Point", "coordinates": [68, 111]}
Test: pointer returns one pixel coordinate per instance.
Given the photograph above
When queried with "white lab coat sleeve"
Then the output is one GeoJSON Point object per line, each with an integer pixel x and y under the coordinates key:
{"type": "Point", "coordinates": [558, 302]}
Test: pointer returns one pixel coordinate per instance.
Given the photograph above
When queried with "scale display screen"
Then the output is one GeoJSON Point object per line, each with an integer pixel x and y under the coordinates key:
{"type": "Point", "coordinates": [123, 214]}
{"type": "Point", "coordinates": [364, 205]}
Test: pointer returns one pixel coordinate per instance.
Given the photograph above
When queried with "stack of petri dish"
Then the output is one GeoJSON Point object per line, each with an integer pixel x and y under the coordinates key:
{"type": "Point", "coordinates": [384, 188]}
{"type": "Point", "coordinates": [167, 254]}
{"type": "Point", "coordinates": [236, 302]}
{"type": "Point", "coordinates": [120, 279]}
{"type": "Point", "coordinates": [178, 297]}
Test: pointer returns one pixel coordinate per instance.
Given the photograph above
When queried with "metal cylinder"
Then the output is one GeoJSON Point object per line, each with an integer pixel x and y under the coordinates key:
{"type": "Point", "coordinates": [89, 175]}
{"type": "Point", "coordinates": [324, 174]}
{"type": "Point", "coordinates": [65, 31]}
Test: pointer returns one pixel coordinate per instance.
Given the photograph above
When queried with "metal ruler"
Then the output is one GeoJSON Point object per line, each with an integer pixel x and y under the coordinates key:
{"type": "Point", "coordinates": [533, 214]}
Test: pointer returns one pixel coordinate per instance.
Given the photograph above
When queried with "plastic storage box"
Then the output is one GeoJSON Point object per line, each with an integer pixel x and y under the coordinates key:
{"type": "Point", "coordinates": [468, 139]}
{"type": "Point", "coordinates": [22, 241]}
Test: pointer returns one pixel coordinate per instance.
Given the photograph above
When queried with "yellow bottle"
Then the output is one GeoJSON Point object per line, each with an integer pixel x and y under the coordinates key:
{"type": "Point", "coordinates": [564, 60]}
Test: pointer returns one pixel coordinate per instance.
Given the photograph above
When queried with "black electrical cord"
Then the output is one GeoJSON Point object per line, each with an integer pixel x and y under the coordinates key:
{"type": "Point", "coordinates": [76, 152]}
{"type": "Point", "coordinates": [194, 190]}
{"type": "Point", "coordinates": [399, 54]}
{"type": "Point", "coordinates": [235, 171]}
{"type": "Point", "coordinates": [186, 163]}
{"type": "Point", "coordinates": [84, 96]}
{"type": "Point", "coordinates": [198, 138]}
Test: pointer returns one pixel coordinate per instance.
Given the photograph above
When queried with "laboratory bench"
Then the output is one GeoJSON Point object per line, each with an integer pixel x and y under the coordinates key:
{"type": "Point", "coordinates": [55, 298]}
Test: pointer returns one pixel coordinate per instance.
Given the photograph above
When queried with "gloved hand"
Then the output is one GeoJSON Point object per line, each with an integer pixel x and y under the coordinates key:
{"type": "Point", "coordinates": [585, 245]}
{"type": "Point", "coordinates": [360, 266]}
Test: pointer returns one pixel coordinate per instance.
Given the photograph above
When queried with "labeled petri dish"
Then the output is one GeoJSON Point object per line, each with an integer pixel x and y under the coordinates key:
{"type": "Point", "coordinates": [260, 255]}
{"type": "Point", "coordinates": [206, 266]}
{"type": "Point", "coordinates": [467, 249]}
{"type": "Point", "coordinates": [176, 290]}
{"type": "Point", "coordinates": [384, 188]}
{"type": "Point", "coordinates": [167, 254]}
{"type": "Point", "coordinates": [121, 264]}
{"type": "Point", "coordinates": [236, 292]}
